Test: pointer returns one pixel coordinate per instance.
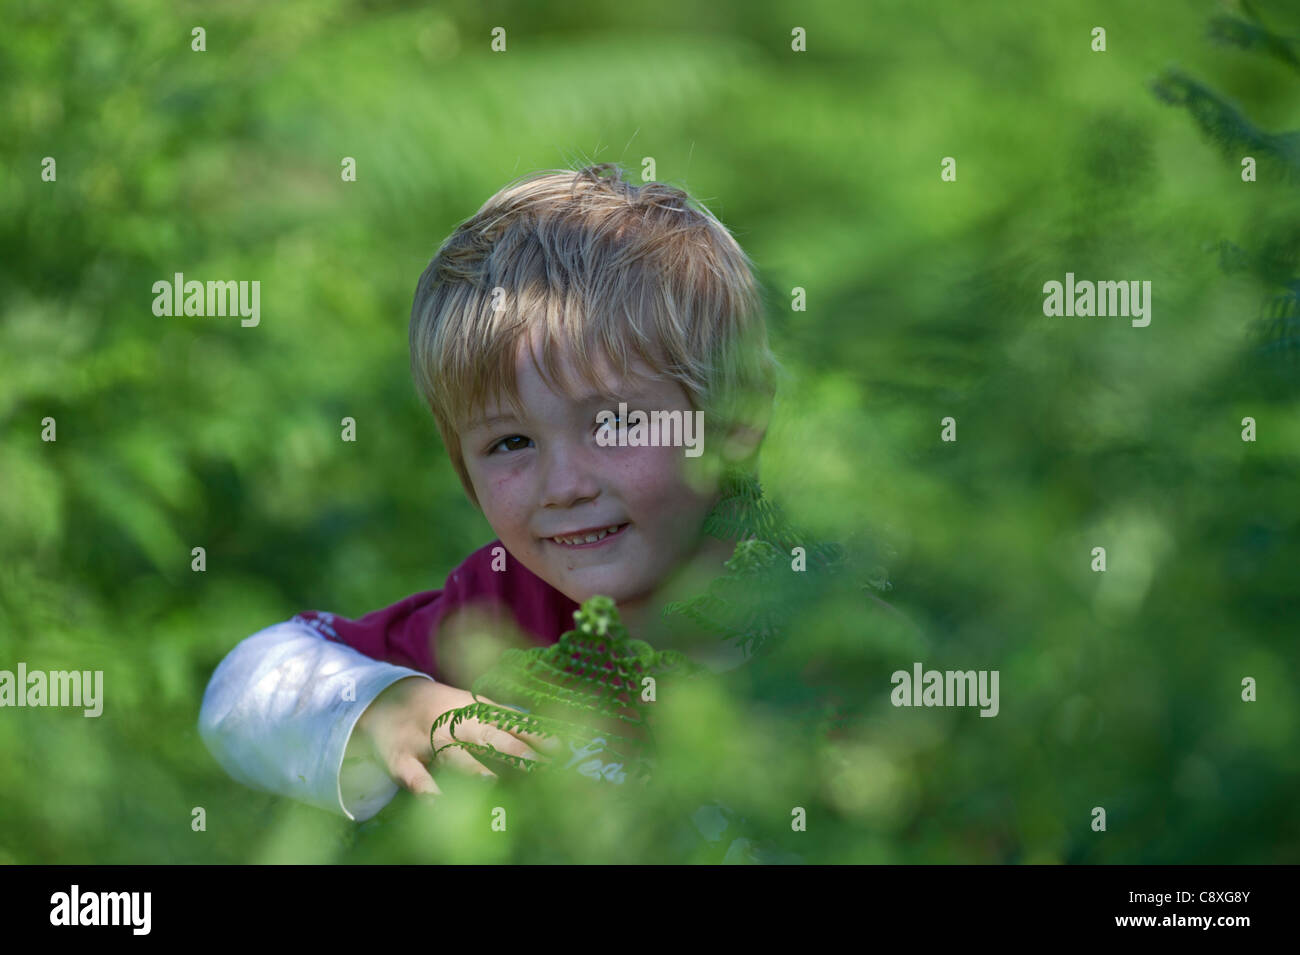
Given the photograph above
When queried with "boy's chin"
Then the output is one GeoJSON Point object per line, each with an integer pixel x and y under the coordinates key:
{"type": "Point", "coordinates": [580, 587]}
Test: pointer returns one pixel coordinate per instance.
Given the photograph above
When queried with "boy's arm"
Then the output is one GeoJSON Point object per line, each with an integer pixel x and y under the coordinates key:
{"type": "Point", "coordinates": [501, 593]}
{"type": "Point", "coordinates": [281, 709]}
{"type": "Point", "coordinates": [279, 712]}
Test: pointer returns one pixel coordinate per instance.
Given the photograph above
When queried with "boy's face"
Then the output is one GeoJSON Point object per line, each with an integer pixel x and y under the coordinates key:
{"type": "Point", "coordinates": [545, 476]}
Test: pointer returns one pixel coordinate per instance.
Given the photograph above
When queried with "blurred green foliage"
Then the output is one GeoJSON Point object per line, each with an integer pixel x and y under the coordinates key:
{"type": "Point", "coordinates": [1119, 689]}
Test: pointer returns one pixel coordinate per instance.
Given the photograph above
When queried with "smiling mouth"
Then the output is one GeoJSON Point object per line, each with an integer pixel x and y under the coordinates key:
{"type": "Point", "coordinates": [588, 538]}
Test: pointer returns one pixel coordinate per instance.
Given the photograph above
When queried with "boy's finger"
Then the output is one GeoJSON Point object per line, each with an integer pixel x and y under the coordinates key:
{"type": "Point", "coordinates": [546, 744]}
{"type": "Point", "coordinates": [412, 775]}
{"type": "Point", "coordinates": [462, 762]}
{"type": "Point", "coordinates": [504, 742]}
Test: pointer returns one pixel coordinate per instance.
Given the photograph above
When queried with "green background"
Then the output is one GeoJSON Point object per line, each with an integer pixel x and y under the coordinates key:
{"type": "Point", "coordinates": [924, 300]}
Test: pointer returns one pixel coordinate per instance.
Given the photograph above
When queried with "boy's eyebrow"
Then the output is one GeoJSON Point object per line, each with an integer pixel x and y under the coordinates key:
{"type": "Point", "coordinates": [632, 387]}
{"type": "Point", "coordinates": [475, 423]}
{"type": "Point", "coordinates": [633, 390]}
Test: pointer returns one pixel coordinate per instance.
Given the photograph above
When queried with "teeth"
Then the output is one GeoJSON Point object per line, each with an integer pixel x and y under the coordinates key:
{"type": "Point", "coordinates": [587, 539]}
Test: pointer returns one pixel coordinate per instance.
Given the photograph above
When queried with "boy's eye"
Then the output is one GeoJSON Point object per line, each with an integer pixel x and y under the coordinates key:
{"type": "Point", "coordinates": [612, 422]}
{"type": "Point", "coordinates": [509, 446]}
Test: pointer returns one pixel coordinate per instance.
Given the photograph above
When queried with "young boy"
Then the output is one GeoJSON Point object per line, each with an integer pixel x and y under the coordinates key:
{"type": "Point", "coordinates": [567, 294]}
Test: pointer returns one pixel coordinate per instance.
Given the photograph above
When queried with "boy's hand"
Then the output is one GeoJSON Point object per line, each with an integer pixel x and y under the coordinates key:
{"type": "Point", "coordinates": [395, 728]}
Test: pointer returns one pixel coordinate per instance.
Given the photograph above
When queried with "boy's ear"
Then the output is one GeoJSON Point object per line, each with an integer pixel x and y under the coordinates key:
{"type": "Point", "coordinates": [737, 449]}
{"type": "Point", "coordinates": [745, 433]}
{"type": "Point", "coordinates": [742, 442]}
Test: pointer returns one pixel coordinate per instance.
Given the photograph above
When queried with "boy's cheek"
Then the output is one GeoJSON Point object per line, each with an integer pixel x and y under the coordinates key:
{"type": "Point", "coordinates": [496, 496]}
{"type": "Point", "coordinates": [672, 469]}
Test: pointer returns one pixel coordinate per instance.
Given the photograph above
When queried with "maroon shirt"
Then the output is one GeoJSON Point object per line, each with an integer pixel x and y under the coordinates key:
{"type": "Point", "coordinates": [407, 632]}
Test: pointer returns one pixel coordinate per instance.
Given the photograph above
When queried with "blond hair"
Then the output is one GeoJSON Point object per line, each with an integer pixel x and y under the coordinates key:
{"type": "Point", "coordinates": [599, 266]}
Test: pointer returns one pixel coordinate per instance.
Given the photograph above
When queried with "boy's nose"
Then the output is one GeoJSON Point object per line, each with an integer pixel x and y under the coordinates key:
{"type": "Point", "coordinates": [568, 478]}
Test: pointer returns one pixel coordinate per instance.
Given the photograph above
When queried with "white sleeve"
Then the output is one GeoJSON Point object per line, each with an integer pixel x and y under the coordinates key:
{"type": "Point", "coordinates": [279, 711]}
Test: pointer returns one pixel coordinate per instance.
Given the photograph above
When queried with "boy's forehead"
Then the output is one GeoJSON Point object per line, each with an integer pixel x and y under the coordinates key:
{"type": "Point", "coordinates": [603, 378]}
{"type": "Point", "coordinates": [573, 386]}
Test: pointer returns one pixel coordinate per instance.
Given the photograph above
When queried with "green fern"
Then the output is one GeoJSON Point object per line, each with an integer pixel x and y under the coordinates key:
{"type": "Point", "coordinates": [754, 602]}
{"type": "Point", "coordinates": [584, 690]}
